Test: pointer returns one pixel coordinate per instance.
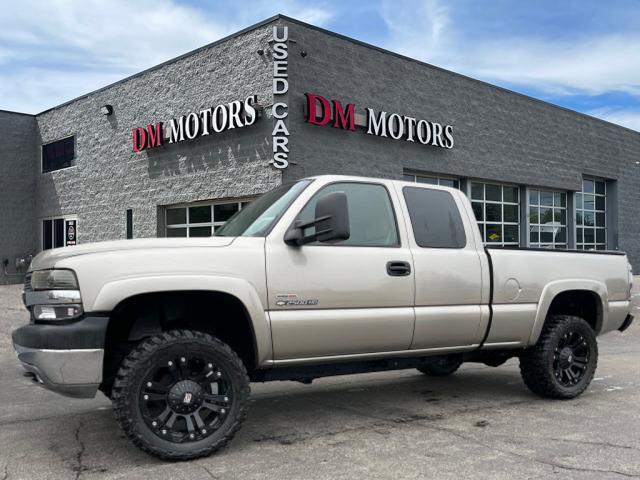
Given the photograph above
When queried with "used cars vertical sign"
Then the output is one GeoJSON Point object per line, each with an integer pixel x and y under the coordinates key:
{"type": "Point", "coordinates": [280, 109]}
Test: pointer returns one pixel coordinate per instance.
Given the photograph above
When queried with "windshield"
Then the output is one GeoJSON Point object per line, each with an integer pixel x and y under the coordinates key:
{"type": "Point", "coordinates": [257, 218]}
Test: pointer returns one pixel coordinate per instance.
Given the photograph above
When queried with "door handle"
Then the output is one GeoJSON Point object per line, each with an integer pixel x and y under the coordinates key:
{"type": "Point", "coordinates": [398, 269]}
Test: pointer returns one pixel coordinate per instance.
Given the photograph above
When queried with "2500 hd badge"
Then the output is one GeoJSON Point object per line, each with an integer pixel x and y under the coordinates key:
{"type": "Point", "coordinates": [291, 299]}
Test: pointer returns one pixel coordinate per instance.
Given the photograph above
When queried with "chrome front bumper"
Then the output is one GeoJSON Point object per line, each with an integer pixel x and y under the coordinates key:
{"type": "Point", "coordinates": [74, 373]}
{"type": "Point", "coordinates": [65, 358]}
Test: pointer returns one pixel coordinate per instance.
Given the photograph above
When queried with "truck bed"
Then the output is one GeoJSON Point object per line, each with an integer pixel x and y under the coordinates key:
{"type": "Point", "coordinates": [523, 279]}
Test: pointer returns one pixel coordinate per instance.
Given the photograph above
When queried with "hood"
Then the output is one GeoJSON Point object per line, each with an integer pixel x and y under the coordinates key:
{"type": "Point", "coordinates": [48, 258]}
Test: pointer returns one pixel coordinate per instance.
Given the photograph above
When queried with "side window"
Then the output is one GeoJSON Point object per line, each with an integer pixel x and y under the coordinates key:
{"type": "Point", "coordinates": [435, 218]}
{"type": "Point", "coordinates": [371, 217]}
{"type": "Point", "coordinates": [58, 155]}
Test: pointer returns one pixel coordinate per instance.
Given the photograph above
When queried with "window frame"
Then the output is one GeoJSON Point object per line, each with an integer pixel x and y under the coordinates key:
{"type": "Point", "coordinates": [213, 224]}
{"type": "Point", "coordinates": [436, 176]}
{"type": "Point", "coordinates": [502, 223]}
{"type": "Point", "coordinates": [581, 245]}
{"type": "Point", "coordinates": [73, 160]}
{"type": "Point", "coordinates": [320, 244]}
{"type": "Point", "coordinates": [567, 224]}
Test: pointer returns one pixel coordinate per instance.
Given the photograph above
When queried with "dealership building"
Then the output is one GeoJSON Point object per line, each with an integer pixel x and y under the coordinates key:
{"type": "Point", "coordinates": [177, 149]}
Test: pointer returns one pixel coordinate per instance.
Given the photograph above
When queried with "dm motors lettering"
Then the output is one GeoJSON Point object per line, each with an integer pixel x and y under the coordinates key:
{"type": "Point", "coordinates": [319, 111]}
{"type": "Point", "coordinates": [209, 121]}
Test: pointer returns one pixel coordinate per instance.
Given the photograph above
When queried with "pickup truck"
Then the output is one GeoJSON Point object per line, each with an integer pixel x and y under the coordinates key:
{"type": "Point", "coordinates": [324, 276]}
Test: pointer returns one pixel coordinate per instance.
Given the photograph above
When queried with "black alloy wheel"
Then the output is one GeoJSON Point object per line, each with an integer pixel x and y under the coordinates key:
{"type": "Point", "coordinates": [563, 361]}
{"type": "Point", "coordinates": [181, 395]}
{"type": "Point", "coordinates": [571, 358]}
{"type": "Point", "coordinates": [186, 399]}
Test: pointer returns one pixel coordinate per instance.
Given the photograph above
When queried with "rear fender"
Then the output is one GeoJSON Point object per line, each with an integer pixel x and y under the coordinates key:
{"type": "Point", "coordinates": [553, 289]}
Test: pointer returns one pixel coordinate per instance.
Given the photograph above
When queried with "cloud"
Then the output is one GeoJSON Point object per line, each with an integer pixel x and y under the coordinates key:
{"type": "Point", "coordinates": [590, 66]}
{"type": "Point", "coordinates": [53, 51]}
{"type": "Point", "coordinates": [580, 64]}
{"type": "Point", "coordinates": [115, 34]}
{"type": "Point", "coordinates": [417, 28]}
{"type": "Point", "coordinates": [629, 118]}
{"type": "Point", "coordinates": [314, 16]}
{"type": "Point", "coordinates": [33, 90]}
{"type": "Point", "coordinates": [252, 11]}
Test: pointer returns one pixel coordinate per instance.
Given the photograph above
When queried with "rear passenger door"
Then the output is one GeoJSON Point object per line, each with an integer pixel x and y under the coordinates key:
{"type": "Point", "coordinates": [448, 270]}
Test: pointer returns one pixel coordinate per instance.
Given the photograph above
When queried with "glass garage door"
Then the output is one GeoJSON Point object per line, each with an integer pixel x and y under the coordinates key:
{"type": "Point", "coordinates": [199, 220]}
{"type": "Point", "coordinates": [497, 210]}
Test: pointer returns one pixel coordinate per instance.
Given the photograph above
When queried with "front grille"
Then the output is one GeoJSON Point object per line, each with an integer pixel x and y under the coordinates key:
{"type": "Point", "coordinates": [27, 282]}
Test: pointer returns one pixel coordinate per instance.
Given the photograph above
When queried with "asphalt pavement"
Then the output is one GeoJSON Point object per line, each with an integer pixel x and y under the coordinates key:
{"type": "Point", "coordinates": [481, 422]}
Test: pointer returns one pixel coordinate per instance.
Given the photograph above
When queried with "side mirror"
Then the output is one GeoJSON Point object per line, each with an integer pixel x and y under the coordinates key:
{"type": "Point", "coordinates": [331, 222]}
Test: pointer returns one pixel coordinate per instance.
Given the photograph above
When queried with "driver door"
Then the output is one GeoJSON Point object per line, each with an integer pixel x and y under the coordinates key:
{"type": "Point", "coordinates": [335, 299]}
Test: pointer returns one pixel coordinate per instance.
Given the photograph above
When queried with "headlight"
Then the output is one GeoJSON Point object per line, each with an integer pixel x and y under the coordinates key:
{"type": "Point", "coordinates": [59, 279]}
{"type": "Point", "coordinates": [53, 295]}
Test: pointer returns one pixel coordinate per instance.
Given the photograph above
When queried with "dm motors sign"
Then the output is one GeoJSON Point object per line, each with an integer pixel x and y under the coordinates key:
{"type": "Point", "coordinates": [237, 114]}
{"type": "Point", "coordinates": [319, 111]}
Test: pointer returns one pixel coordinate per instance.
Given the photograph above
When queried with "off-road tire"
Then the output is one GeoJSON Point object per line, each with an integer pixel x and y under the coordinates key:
{"type": "Point", "coordinates": [538, 363]}
{"type": "Point", "coordinates": [441, 366]}
{"type": "Point", "coordinates": [128, 385]}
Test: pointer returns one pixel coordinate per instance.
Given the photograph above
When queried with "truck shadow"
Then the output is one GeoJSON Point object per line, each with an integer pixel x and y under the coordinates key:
{"type": "Point", "coordinates": [377, 401]}
{"type": "Point", "coordinates": [288, 413]}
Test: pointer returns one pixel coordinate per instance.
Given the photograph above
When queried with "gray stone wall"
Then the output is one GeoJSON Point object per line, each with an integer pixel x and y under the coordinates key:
{"type": "Point", "coordinates": [108, 177]}
{"type": "Point", "coordinates": [499, 135]}
{"type": "Point", "coordinates": [17, 178]}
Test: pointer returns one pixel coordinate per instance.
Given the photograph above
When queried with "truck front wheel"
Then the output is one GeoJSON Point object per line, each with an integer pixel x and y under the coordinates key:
{"type": "Point", "coordinates": [181, 395]}
{"type": "Point", "coordinates": [563, 362]}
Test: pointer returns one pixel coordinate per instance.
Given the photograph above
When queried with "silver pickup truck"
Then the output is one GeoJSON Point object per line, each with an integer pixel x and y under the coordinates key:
{"type": "Point", "coordinates": [325, 276]}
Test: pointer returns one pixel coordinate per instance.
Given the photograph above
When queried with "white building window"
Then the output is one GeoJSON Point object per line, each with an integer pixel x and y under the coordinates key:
{"type": "Point", "coordinates": [433, 180]}
{"type": "Point", "coordinates": [591, 215]}
{"type": "Point", "coordinates": [199, 220]}
{"type": "Point", "coordinates": [547, 219]}
{"type": "Point", "coordinates": [497, 210]}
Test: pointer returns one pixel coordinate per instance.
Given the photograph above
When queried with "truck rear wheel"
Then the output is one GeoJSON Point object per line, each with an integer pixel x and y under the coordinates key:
{"type": "Point", "coordinates": [441, 366]}
{"type": "Point", "coordinates": [563, 362]}
{"type": "Point", "coordinates": [181, 395]}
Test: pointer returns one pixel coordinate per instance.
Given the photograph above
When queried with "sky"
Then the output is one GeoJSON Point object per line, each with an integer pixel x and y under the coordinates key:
{"type": "Point", "coordinates": [580, 54]}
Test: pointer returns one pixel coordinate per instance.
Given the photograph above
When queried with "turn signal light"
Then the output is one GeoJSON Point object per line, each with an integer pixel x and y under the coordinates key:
{"type": "Point", "coordinates": [57, 312]}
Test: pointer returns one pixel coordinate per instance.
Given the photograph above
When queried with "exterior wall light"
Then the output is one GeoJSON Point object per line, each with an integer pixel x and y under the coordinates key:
{"type": "Point", "coordinates": [106, 109]}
